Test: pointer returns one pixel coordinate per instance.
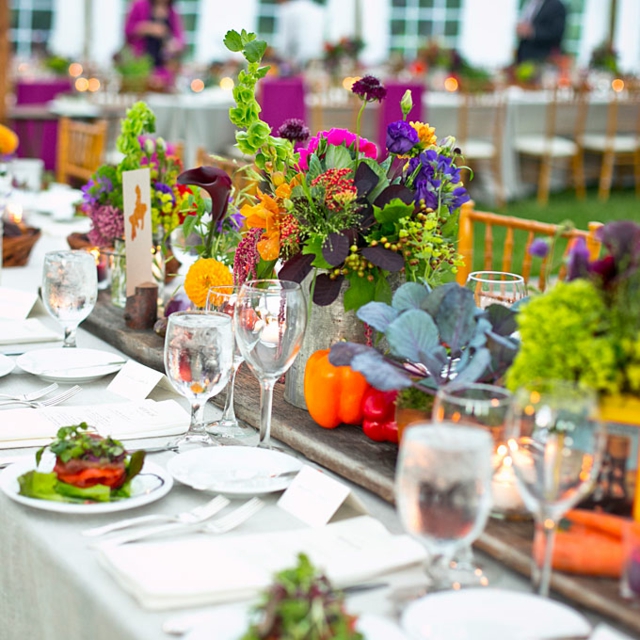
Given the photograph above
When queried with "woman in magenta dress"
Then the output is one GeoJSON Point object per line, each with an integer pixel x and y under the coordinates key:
{"type": "Point", "coordinates": [154, 27]}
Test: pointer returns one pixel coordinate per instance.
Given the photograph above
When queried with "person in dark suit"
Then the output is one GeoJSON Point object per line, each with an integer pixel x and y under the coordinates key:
{"type": "Point", "coordinates": [540, 29]}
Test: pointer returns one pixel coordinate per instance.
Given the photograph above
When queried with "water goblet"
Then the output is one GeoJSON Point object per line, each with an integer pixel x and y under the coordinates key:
{"type": "Point", "coordinates": [483, 406]}
{"type": "Point", "coordinates": [69, 289]}
{"type": "Point", "coordinates": [270, 318]}
{"type": "Point", "coordinates": [198, 357]}
{"type": "Point", "coordinates": [222, 298]}
{"type": "Point", "coordinates": [557, 442]}
{"type": "Point", "coordinates": [496, 287]}
{"type": "Point", "coordinates": [443, 490]}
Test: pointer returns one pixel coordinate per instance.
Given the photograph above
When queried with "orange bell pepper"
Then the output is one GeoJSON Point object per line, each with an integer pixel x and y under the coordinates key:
{"type": "Point", "coordinates": [333, 395]}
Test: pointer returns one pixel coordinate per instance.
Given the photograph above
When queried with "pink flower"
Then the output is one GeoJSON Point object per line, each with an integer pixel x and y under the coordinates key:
{"type": "Point", "coordinates": [336, 137]}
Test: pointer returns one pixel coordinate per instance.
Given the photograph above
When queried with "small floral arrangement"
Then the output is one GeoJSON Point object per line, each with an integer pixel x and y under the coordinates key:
{"type": "Point", "coordinates": [102, 195]}
{"type": "Point", "coordinates": [337, 211]}
{"type": "Point", "coordinates": [605, 58]}
{"type": "Point", "coordinates": [346, 47]}
{"type": "Point", "coordinates": [587, 329]}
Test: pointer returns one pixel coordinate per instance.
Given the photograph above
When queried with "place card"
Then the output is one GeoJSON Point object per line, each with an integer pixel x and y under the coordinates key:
{"type": "Point", "coordinates": [315, 498]}
{"type": "Point", "coordinates": [136, 195]}
{"type": "Point", "coordinates": [14, 304]}
{"type": "Point", "coordinates": [135, 381]}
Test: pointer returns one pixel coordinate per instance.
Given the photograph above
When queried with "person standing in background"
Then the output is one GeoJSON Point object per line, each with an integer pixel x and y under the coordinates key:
{"type": "Point", "coordinates": [540, 29]}
{"type": "Point", "coordinates": [300, 31]}
{"type": "Point", "coordinates": [154, 27]}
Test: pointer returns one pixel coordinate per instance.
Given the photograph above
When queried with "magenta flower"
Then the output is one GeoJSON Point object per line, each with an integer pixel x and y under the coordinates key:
{"type": "Point", "coordinates": [336, 137]}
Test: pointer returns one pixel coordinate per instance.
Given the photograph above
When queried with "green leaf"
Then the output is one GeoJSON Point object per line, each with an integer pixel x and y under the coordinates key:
{"type": "Point", "coordinates": [262, 72]}
{"type": "Point", "coordinates": [136, 462]}
{"type": "Point", "coordinates": [34, 484]}
{"type": "Point", "coordinates": [383, 291]}
{"type": "Point", "coordinates": [393, 211]}
{"type": "Point", "coordinates": [254, 50]}
{"type": "Point", "coordinates": [410, 295]}
{"type": "Point", "coordinates": [314, 246]}
{"type": "Point", "coordinates": [264, 270]}
{"type": "Point", "coordinates": [360, 292]}
{"type": "Point", "coordinates": [233, 41]}
{"type": "Point", "coordinates": [97, 493]}
{"type": "Point", "coordinates": [413, 333]}
{"type": "Point", "coordinates": [338, 157]}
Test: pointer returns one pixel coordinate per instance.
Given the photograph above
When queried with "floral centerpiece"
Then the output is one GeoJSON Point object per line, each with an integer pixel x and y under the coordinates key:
{"type": "Point", "coordinates": [587, 329]}
{"type": "Point", "coordinates": [334, 210]}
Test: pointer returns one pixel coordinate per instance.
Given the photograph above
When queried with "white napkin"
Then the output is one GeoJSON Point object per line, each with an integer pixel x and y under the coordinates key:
{"type": "Point", "coordinates": [24, 331]}
{"type": "Point", "coordinates": [604, 632]}
{"type": "Point", "coordinates": [126, 420]}
{"type": "Point", "coordinates": [199, 570]}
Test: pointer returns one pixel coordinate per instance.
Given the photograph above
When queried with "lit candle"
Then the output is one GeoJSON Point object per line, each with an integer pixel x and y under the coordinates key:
{"type": "Point", "coordinates": [101, 263]}
{"type": "Point", "coordinates": [506, 495]}
{"type": "Point", "coordinates": [271, 332]}
{"type": "Point", "coordinates": [15, 213]}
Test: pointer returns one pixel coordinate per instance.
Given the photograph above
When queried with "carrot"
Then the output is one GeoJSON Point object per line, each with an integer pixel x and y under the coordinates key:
{"type": "Point", "coordinates": [603, 522]}
{"type": "Point", "coordinates": [585, 551]}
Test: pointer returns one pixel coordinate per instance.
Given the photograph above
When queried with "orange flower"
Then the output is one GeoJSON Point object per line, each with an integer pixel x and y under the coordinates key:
{"type": "Point", "coordinates": [8, 140]}
{"type": "Point", "coordinates": [265, 215]}
{"type": "Point", "coordinates": [203, 274]}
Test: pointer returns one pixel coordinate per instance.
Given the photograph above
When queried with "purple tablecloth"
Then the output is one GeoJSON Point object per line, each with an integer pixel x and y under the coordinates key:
{"type": "Point", "coordinates": [39, 137]}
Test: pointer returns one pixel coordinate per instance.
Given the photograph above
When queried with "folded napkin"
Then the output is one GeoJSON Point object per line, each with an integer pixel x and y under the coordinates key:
{"type": "Point", "coordinates": [604, 632]}
{"type": "Point", "coordinates": [24, 331]}
{"type": "Point", "coordinates": [126, 420]}
{"type": "Point", "coordinates": [15, 304]}
{"type": "Point", "coordinates": [199, 570]}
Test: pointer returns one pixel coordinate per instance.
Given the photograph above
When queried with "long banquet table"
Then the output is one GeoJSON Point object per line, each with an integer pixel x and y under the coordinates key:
{"type": "Point", "coordinates": [52, 586]}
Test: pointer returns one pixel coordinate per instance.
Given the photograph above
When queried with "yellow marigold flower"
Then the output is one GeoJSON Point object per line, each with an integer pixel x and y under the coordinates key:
{"type": "Point", "coordinates": [203, 274]}
{"type": "Point", "coordinates": [426, 134]}
{"type": "Point", "coordinates": [8, 140]}
{"type": "Point", "coordinates": [283, 191]}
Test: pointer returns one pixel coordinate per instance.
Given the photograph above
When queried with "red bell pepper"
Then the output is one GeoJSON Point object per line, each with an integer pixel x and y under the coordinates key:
{"type": "Point", "coordinates": [379, 410]}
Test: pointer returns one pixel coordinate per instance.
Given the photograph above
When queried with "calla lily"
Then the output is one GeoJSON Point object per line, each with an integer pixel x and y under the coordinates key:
{"type": "Point", "coordinates": [217, 184]}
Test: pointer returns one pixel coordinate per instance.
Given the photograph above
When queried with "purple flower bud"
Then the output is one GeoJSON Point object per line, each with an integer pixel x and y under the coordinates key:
{"type": "Point", "coordinates": [578, 260]}
{"type": "Point", "coordinates": [539, 247]}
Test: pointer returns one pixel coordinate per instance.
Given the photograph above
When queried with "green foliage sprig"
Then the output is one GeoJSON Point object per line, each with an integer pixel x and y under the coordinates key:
{"type": "Point", "coordinates": [140, 120]}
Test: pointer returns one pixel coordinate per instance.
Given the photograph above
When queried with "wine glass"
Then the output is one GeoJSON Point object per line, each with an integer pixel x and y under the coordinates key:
{"type": "Point", "coordinates": [198, 357]}
{"type": "Point", "coordinates": [222, 298]}
{"type": "Point", "coordinates": [557, 443]}
{"type": "Point", "coordinates": [443, 490]}
{"type": "Point", "coordinates": [69, 289]}
{"type": "Point", "coordinates": [483, 406]}
{"type": "Point", "coordinates": [270, 318]}
{"type": "Point", "coordinates": [496, 287]}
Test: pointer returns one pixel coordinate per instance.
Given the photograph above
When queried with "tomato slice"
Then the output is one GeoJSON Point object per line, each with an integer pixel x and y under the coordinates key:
{"type": "Point", "coordinates": [85, 473]}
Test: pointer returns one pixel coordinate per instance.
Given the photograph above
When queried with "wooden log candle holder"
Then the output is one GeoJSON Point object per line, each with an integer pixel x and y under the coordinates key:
{"type": "Point", "coordinates": [141, 309]}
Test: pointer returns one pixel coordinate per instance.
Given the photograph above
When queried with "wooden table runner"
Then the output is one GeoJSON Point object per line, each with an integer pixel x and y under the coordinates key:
{"type": "Point", "coordinates": [348, 452]}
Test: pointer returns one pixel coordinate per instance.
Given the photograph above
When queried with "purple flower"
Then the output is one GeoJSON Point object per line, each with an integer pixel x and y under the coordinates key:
{"type": "Point", "coordinates": [401, 137]}
{"type": "Point", "coordinates": [231, 222]}
{"type": "Point", "coordinates": [108, 224]}
{"type": "Point", "coordinates": [578, 260]}
{"type": "Point", "coordinates": [369, 89]}
{"type": "Point", "coordinates": [294, 130]}
{"type": "Point", "coordinates": [539, 247]}
{"type": "Point", "coordinates": [165, 188]}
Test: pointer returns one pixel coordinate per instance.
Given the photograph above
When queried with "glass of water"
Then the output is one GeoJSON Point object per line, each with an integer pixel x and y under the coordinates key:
{"type": "Point", "coordinates": [496, 287]}
{"type": "Point", "coordinates": [69, 289]}
{"type": "Point", "coordinates": [198, 356]}
{"type": "Point", "coordinates": [443, 490]}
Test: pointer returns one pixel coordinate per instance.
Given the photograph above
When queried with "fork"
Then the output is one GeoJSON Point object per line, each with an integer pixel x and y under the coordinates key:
{"type": "Point", "coordinates": [49, 402]}
{"type": "Point", "coordinates": [34, 395]}
{"type": "Point", "coordinates": [194, 516]}
{"type": "Point", "coordinates": [223, 524]}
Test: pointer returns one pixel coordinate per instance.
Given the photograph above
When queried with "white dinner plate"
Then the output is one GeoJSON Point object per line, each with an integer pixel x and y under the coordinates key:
{"type": "Point", "coordinates": [231, 622]}
{"type": "Point", "coordinates": [234, 470]}
{"type": "Point", "coordinates": [6, 365]}
{"type": "Point", "coordinates": [150, 485]}
{"type": "Point", "coordinates": [72, 366]}
{"type": "Point", "coordinates": [490, 614]}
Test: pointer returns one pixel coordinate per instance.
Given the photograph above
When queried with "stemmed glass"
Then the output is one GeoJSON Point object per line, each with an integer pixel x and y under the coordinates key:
{"type": "Point", "coordinates": [443, 490]}
{"type": "Point", "coordinates": [69, 289]}
{"type": "Point", "coordinates": [222, 298]}
{"type": "Point", "coordinates": [198, 356]}
{"type": "Point", "coordinates": [483, 406]}
{"type": "Point", "coordinates": [496, 287]}
{"type": "Point", "coordinates": [270, 318]}
{"type": "Point", "coordinates": [557, 443]}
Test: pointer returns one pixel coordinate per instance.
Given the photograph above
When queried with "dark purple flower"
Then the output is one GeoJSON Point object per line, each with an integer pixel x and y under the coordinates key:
{"type": "Point", "coordinates": [294, 130]}
{"type": "Point", "coordinates": [401, 137]}
{"type": "Point", "coordinates": [216, 183]}
{"type": "Point", "coordinates": [539, 248]}
{"type": "Point", "coordinates": [578, 260]}
{"type": "Point", "coordinates": [369, 89]}
{"type": "Point", "coordinates": [622, 240]}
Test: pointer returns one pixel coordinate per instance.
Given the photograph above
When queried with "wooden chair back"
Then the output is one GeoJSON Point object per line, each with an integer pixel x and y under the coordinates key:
{"type": "Point", "coordinates": [81, 149]}
{"type": "Point", "coordinates": [240, 172]}
{"type": "Point", "coordinates": [518, 233]}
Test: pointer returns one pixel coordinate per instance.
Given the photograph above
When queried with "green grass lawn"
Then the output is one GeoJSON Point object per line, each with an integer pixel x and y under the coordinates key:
{"type": "Point", "coordinates": [563, 206]}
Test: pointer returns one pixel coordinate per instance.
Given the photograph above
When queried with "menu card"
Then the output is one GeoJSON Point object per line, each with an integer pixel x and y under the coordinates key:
{"type": "Point", "coordinates": [199, 570]}
{"type": "Point", "coordinates": [126, 420]}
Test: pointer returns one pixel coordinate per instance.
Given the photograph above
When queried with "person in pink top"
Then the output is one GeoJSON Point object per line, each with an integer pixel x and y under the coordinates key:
{"type": "Point", "coordinates": [154, 27]}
